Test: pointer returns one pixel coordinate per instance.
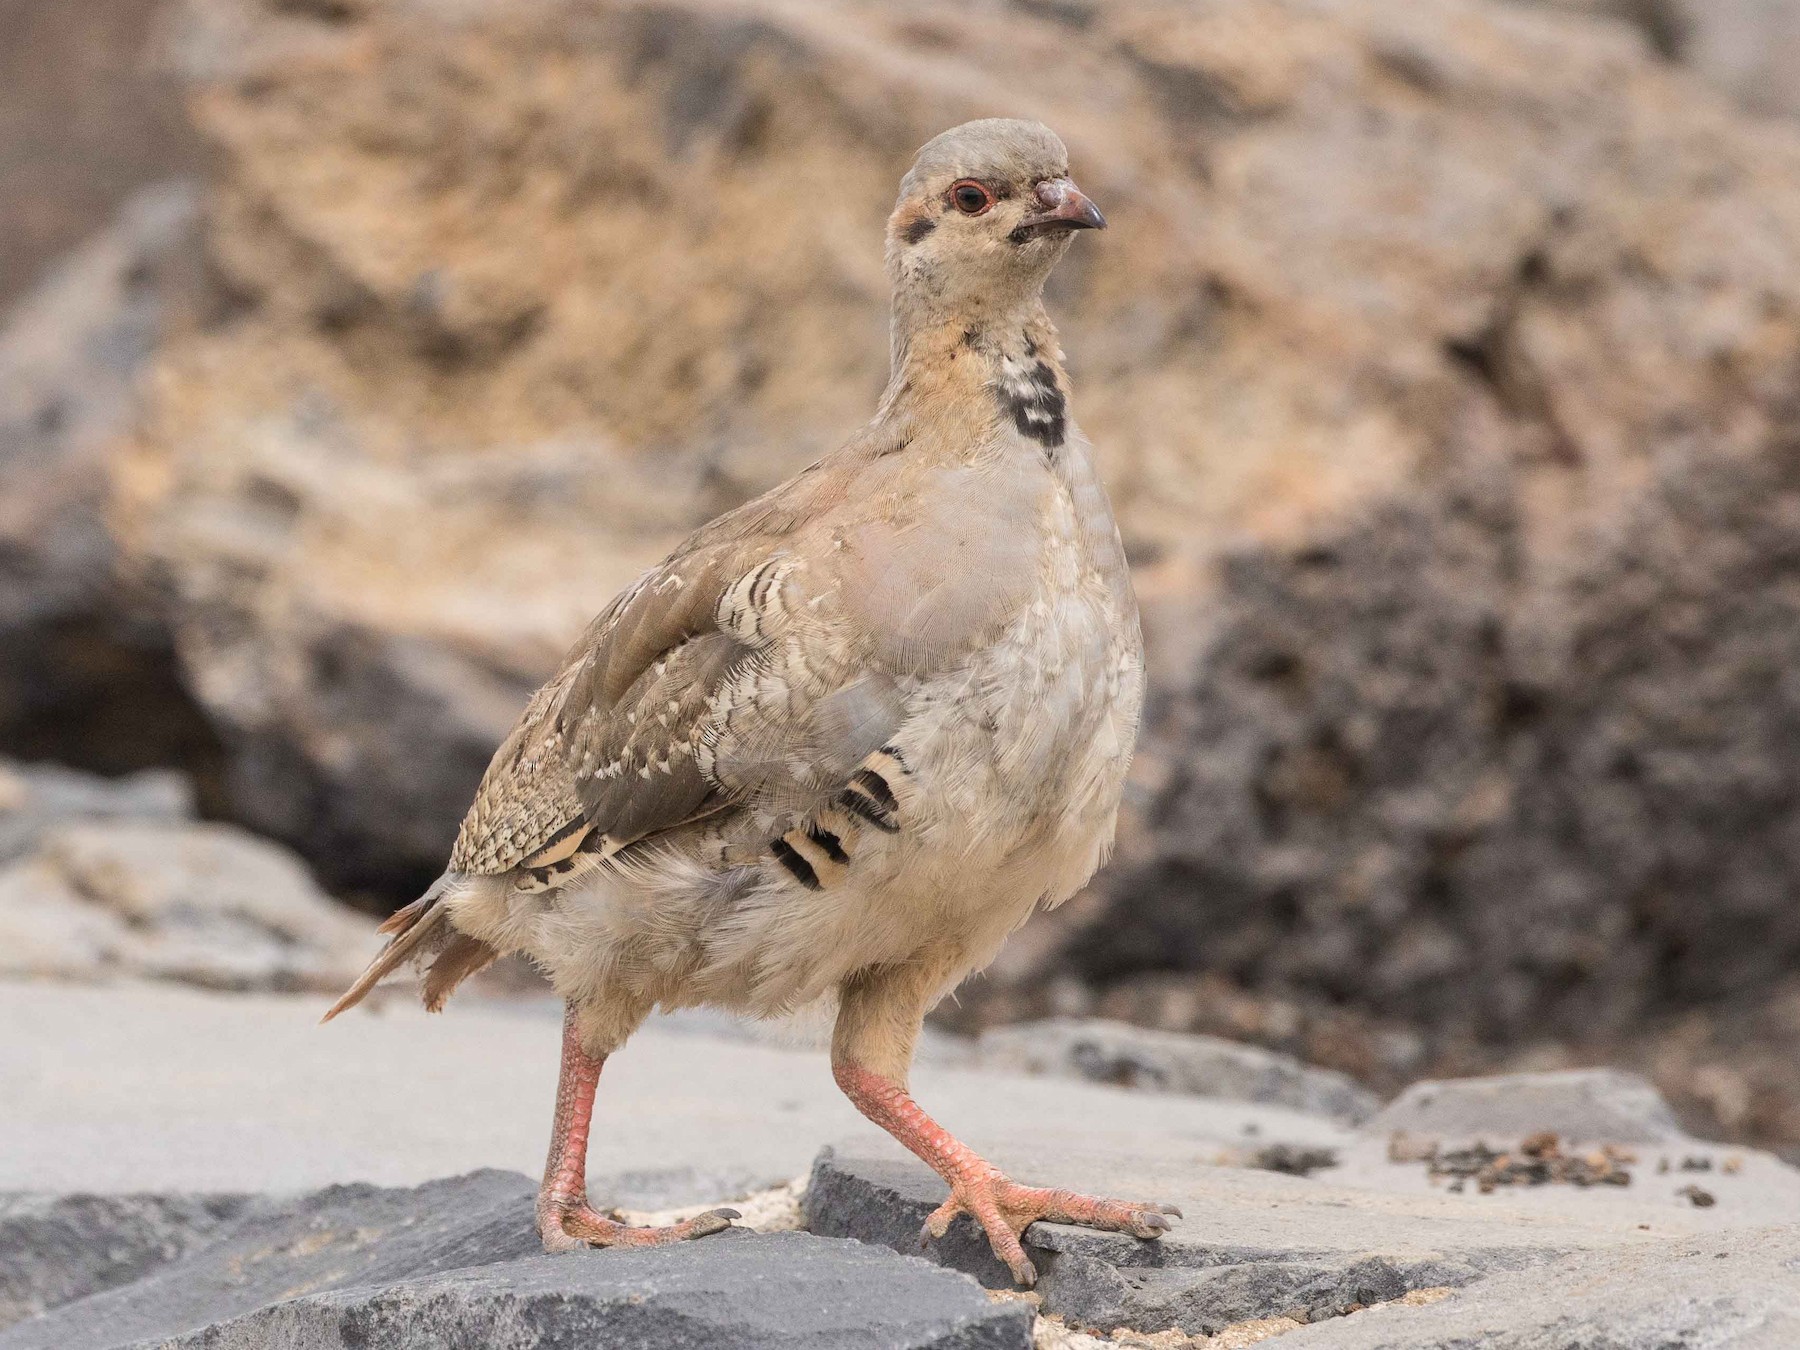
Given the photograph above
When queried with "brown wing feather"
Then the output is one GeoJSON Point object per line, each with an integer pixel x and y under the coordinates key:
{"type": "Point", "coordinates": [632, 696]}
{"type": "Point", "coordinates": [598, 741]}
{"type": "Point", "coordinates": [637, 765]}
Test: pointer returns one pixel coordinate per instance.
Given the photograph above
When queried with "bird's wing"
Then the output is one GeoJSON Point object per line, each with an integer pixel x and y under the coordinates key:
{"type": "Point", "coordinates": [684, 696]}
{"type": "Point", "coordinates": [599, 746]}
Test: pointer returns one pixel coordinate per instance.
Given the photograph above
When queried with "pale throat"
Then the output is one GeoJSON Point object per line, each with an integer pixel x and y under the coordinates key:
{"type": "Point", "coordinates": [1004, 357]}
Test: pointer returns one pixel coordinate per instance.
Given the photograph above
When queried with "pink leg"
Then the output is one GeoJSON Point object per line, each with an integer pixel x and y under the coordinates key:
{"type": "Point", "coordinates": [1000, 1205]}
{"type": "Point", "coordinates": [565, 1220]}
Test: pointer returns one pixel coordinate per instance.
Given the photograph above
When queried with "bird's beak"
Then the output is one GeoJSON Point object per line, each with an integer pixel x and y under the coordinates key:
{"type": "Point", "coordinates": [1061, 206]}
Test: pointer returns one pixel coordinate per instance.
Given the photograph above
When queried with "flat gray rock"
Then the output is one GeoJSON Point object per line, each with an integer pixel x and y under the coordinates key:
{"type": "Point", "coordinates": [1255, 1244]}
{"type": "Point", "coordinates": [775, 1290]}
{"type": "Point", "coordinates": [1103, 1051]}
{"type": "Point", "coordinates": [1582, 1105]}
{"type": "Point", "coordinates": [1664, 1296]}
{"type": "Point", "coordinates": [457, 1262]}
{"type": "Point", "coordinates": [157, 1088]}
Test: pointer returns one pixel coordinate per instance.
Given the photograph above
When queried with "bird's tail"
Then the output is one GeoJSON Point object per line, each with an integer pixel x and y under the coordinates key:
{"type": "Point", "coordinates": [414, 930]}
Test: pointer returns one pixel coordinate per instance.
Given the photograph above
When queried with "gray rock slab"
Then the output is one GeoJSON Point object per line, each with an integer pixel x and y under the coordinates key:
{"type": "Point", "coordinates": [1582, 1105]}
{"type": "Point", "coordinates": [55, 1248]}
{"type": "Point", "coordinates": [457, 1262]}
{"type": "Point", "coordinates": [1104, 1051]}
{"type": "Point", "coordinates": [205, 903]}
{"type": "Point", "coordinates": [1255, 1244]}
{"type": "Point", "coordinates": [328, 1239]}
{"type": "Point", "coordinates": [36, 797]}
{"type": "Point", "coordinates": [776, 1290]}
{"type": "Point", "coordinates": [159, 1088]}
{"type": "Point", "coordinates": [1744, 1295]}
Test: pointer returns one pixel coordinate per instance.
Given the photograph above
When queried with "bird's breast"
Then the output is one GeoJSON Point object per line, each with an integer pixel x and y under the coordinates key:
{"type": "Point", "coordinates": [1039, 724]}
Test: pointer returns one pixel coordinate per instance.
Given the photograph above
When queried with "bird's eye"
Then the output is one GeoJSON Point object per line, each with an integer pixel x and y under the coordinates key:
{"type": "Point", "coordinates": [971, 198]}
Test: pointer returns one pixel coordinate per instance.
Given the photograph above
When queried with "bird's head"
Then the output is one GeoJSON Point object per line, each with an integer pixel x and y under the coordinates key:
{"type": "Point", "coordinates": [984, 213]}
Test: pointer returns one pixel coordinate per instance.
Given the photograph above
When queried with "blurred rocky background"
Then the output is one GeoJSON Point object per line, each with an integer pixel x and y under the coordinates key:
{"type": "Point", "coordinates": [1444, 360]}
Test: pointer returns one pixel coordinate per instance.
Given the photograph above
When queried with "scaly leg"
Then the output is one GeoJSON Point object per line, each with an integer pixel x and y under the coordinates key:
{"type": "Point", "coordinates": [564, 1218]}
{"type": "Point", "coordinates": [878, 1022]}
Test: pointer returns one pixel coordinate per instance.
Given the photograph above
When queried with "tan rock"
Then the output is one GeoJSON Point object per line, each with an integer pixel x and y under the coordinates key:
{"type": "Point", "coordinates": [521, 294]}
{"type": "Point", "coordinates": [1747, 49]}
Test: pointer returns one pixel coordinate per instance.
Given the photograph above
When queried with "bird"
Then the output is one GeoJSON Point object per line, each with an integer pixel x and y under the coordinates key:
{"type": "Point", "coordinates": [849, 735]}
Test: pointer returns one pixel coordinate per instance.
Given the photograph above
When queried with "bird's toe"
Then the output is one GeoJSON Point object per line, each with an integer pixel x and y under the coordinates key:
{"type": "Point", "coordinates": [557, 1240]}
{"type": "Point", "coordinates": [940, 1219]}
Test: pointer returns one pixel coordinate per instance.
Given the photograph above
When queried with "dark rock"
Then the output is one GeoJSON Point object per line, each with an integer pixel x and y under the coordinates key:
{"type": "Point", "coordinates": [736, 1290]}
{"type": "Point", "coordinates": [457, 1262]}
{"type": "Point", "coordinates": [1496, 801]}
{"type": "Point", "coordinates": [57, 1248]}
{"type": "Point", "coordinates": [87, 675]}
{"type": "Point", "coordinates": [340, 1235]}
{"type": "Point", "coordinates": [1091, 1292]}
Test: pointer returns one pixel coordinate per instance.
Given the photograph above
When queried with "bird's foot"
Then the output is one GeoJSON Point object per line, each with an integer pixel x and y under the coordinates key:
{"type": "Point", "coordinates": [1005, 1209]}
{"type": "Point", "coordinates": [570, 1224]}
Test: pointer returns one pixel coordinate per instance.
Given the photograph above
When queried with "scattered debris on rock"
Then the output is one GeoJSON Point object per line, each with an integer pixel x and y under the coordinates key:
{"type": "Point", "coordinates": [1294, 1160]}
{"type": "Point", "coordinates": [1539, 1160]}
{"type": "Point", "coordinates": [1052, 1333]}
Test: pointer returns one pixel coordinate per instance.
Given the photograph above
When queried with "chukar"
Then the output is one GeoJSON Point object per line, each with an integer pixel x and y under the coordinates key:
{"type": "Point", "coordinates": [849, 735]}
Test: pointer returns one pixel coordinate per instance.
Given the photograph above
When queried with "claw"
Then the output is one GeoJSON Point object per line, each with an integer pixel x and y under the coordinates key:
{"type": "Point", "coordinates": [1150, 1225]}
{"type": "Point", "coordinates": [713, 1221]}
{"type": "Point", "coordinates": [1023, 1273]}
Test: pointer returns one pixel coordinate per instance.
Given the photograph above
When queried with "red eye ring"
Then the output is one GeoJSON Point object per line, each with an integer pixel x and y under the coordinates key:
{"type": "Point", "coordinates": [970, 197]}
